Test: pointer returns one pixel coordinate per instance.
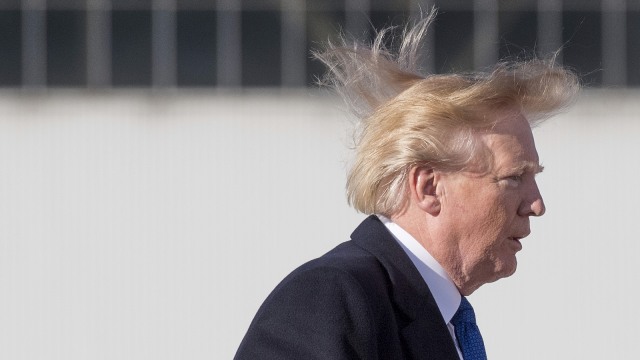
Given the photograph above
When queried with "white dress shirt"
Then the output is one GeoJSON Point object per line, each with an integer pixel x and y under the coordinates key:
{"type": "Point", "coordinates": [442, 288]}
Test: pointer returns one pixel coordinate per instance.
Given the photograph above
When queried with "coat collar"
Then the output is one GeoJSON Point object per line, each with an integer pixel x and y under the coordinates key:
{"type": "Point", "coordinates": [425, 332]}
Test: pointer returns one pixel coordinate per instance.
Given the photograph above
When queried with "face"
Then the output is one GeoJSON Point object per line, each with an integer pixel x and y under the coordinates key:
{"type": "Point", "coordinates": [486, 215]}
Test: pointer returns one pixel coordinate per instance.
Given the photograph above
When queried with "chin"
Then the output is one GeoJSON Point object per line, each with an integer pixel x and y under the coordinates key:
{"type": "Point", "coordinates": [507, 269]}
{"type": "Point", "coordinates": [491, 272]}
{"type": "Point", "coordinates": [503, 269]}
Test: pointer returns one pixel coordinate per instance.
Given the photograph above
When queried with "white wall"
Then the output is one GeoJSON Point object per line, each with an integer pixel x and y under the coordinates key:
{"type": "Point", "coordinates": [152, 227]}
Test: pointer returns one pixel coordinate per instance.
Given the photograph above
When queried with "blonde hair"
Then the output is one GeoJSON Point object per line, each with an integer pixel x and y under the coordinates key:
{"type": "Point", "coordinates": [408, 119]}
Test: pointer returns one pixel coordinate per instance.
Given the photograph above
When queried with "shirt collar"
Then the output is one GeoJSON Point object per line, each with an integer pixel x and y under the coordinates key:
{"type": "Point", "coordinates": [442, 288]}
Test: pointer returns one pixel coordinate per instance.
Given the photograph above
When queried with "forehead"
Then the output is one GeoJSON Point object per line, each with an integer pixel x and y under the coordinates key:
{"type": "Point", "coordinates": [511, 143]}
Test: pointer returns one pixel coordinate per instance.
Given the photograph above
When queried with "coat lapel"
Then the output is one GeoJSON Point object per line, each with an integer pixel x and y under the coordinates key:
{"type": "Point", "coordinates": [423, 330]}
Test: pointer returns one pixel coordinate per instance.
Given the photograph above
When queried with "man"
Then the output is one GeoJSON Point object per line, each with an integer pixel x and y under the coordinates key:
{"type": "Point", "coordinates": [446, 166]}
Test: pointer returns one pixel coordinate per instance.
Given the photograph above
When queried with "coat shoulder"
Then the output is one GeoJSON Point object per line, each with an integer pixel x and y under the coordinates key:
{"type": "Point", "coordinates": [331, 305]}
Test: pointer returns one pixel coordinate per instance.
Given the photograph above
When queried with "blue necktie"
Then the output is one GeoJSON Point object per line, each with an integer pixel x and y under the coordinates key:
{"type": "Point", "coordinates": [467, 332]}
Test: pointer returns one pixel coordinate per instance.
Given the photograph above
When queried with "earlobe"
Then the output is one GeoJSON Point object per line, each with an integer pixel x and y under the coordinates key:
{"type": "Point", "coordinates": [423, 187]}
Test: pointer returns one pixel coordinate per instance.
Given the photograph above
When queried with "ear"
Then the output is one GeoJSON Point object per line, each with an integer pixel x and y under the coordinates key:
{"type": "Point", "coordinates": [423, 183]}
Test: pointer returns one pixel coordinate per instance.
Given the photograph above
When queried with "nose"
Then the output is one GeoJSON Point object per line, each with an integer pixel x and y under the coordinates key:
{"type": "Point", "coordinates": [532, 203]}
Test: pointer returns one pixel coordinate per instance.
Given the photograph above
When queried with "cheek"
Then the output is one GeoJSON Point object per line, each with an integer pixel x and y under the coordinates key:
{"type": "Point", "coordinates": [491, 216]}
{"type": "Point", "coordinates": [481, 214]}
{"type": "Point", "coordinates": [488, 234]}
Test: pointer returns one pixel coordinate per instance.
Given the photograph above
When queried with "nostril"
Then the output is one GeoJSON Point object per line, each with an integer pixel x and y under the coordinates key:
{"type": "Point", "coordinates": [538, 207]}
{"type": "Point", "coordinates": [532, 208]}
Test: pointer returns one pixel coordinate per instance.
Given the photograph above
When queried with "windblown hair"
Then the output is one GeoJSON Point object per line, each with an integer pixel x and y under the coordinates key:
{"type": "Point", "coordinates": [408, 119]}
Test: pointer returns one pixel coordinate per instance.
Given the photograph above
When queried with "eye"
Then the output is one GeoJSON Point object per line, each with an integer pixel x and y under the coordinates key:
{"type": "Point", "coordinates": [513, 180]}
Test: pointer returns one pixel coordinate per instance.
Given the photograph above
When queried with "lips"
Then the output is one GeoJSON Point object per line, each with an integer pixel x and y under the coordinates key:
{"type": "Point", "coordinates": [519, 236]}
{"type": "Point", "coordinates": [516, 242]}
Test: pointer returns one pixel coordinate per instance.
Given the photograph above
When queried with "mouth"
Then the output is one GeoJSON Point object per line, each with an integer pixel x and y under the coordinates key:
{"type": "Point", "coordinates": [516, 241]}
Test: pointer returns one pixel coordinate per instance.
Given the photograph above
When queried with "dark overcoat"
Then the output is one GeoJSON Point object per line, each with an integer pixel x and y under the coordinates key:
{"type": "Point", "coordinates": [362, 300]}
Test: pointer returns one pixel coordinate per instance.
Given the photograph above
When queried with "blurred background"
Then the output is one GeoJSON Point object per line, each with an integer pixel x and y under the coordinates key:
{"type": "Point", "coordinates": [165, 163]}
{"type": "Point", "coordinates": [266, 43]}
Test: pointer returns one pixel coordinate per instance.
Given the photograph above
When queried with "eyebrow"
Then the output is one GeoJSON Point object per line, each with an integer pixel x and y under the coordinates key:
{"type": "Point", "coordinates": [532, 166]}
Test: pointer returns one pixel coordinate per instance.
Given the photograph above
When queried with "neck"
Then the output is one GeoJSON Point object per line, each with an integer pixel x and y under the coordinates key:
{"type": "Point", "coordinates": [438, 244]}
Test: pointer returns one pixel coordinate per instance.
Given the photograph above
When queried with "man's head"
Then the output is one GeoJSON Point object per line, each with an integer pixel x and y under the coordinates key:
{"type": "Point", "coordinates": [472, 220]}
{"type": "Point", "coordinates": [450, 158]}
{"type": "Point", "coordinates": [437, 122]}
